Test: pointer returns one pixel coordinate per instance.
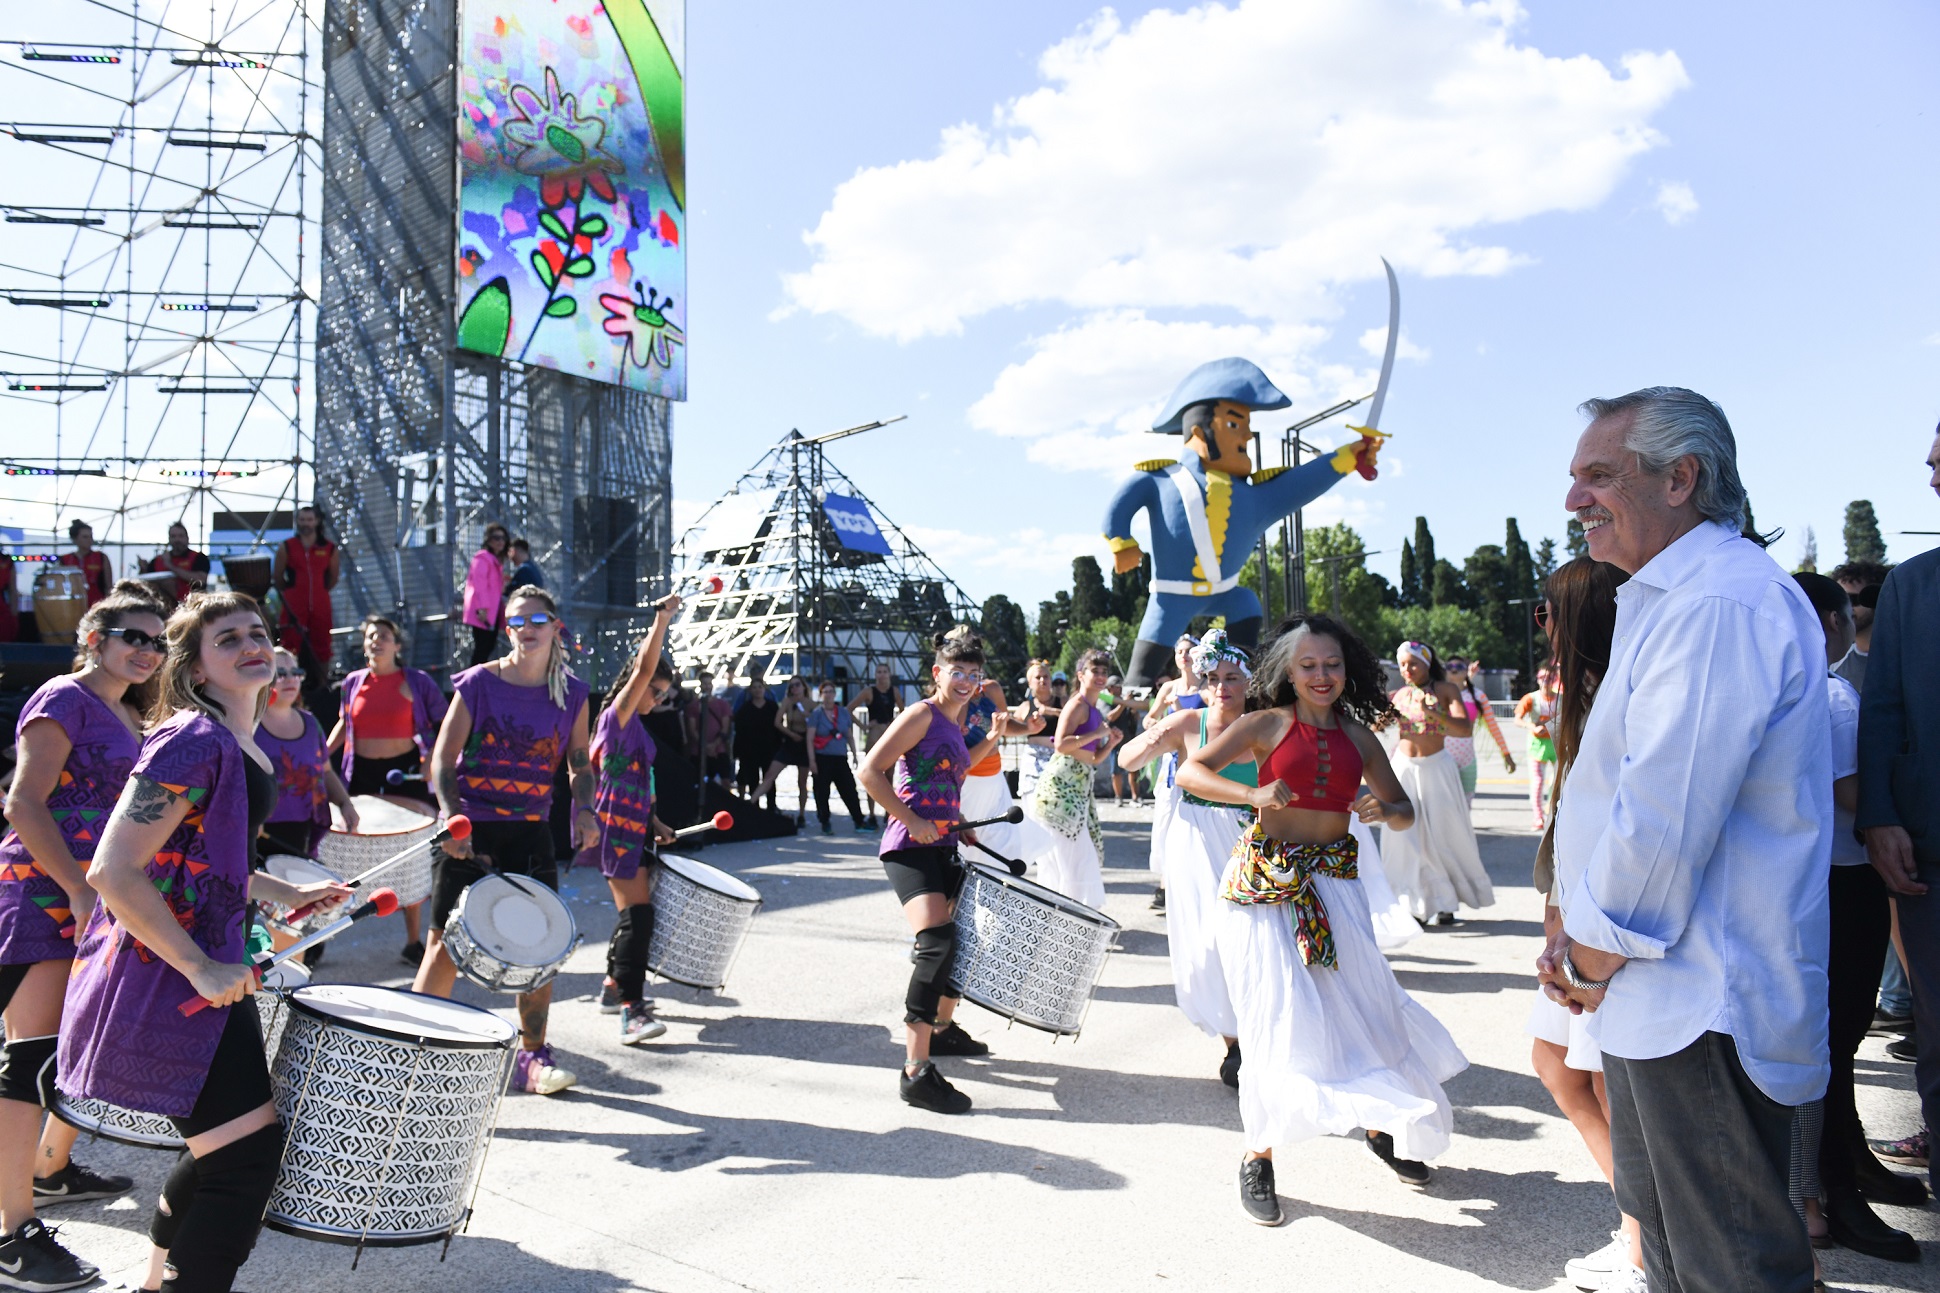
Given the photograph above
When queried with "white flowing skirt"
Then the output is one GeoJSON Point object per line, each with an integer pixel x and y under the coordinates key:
{"type": "Point", "coordinates": [1165, 802]}
{"type": "Point", "coordinates": [1393, 926]}
{"type": "Point", "coordinates": [1325, 1051]}
{"type": "Point", "coordinates": [990, 797]}
{"type": "Point", "coordinates": [1198, 846]}
{"type": "Point", "coordinates": [1069, 864]}
{"type": "Point", "coordinates": [1574, 1033]}
{"type": "Point", "coordinates": [1435, 864]}
{"type": "Point", "coordinates": [1031, 762]}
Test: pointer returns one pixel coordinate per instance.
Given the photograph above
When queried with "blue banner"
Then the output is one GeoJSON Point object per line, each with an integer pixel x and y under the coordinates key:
{"type": "Point", "coordinates": [853, 525]}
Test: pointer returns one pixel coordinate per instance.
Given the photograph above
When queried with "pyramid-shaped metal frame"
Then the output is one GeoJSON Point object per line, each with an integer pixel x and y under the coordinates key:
{"type": "Point", "coordinates": [794, 601]}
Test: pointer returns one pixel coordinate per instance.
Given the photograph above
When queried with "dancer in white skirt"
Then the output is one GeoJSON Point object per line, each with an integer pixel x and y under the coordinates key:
{"type": "Point", "coordinates": [1173, 694]}
{"type": "Point", "coordinates": [1436, 866]}
{"type": "Point", "coordinates": [1394, 926]}
{"type": "Point", "coordinates": [986, 793]}
{"type": "Point", "coordinates": [1062, 801]}
{"type": "Point", "coordinates": [1198, 840]}
{"type": "Point", "coordinates": [1036, 718]}
{"type": "Point", "coordinates": [1332, 1043]}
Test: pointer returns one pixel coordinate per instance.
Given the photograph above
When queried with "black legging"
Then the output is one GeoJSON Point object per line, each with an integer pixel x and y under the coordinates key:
{"type": "Point", "coordinates": [834, 771]}
{"type": "Point", "coordinates": [483, 642]}
{"type": "Point", "coordinates": [1862, 924]}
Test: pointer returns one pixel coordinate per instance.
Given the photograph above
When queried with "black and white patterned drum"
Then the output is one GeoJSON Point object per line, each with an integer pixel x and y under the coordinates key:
{"type": "Point", "coordinates": [389, 1099]}
{"type": "Point", "coordinates": [98, 1118]}
{"type": "Point", "coordinates": [1026, 952]}
{"type": "Point", "coordinates": [509, 933]}
{"type": "Point", "coordinates": [701, 916]}
{"type": "Point", "coordinates": [296, 870]}
{"type": "Point", "coordinates": [385, 828]}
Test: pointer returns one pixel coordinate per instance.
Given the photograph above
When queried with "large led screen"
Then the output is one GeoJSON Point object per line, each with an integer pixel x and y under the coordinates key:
{"type": "Point", "coordinates": [572, 190]}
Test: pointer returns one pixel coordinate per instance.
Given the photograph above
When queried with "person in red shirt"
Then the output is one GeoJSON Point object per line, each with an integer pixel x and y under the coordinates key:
{"type": "Point", "coordinates": [306, 569]}
{"type": "Point", "coordinates": [99, 570]}
{"type": "Point", "coordinates": [191, 568]}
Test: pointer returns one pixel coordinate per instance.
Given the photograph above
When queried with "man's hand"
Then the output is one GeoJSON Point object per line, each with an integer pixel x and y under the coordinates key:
{"type": "Point", "coordinates": [1126, 559]}
{"type": "Point", "coordinates": [1890, 850]}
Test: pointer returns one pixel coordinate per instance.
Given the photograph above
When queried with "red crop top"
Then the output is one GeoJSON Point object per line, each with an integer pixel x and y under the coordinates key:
{"type": "Point", "coordinates": [1321, 766]}
{"type": "Point", "coordinates": [381, 709]}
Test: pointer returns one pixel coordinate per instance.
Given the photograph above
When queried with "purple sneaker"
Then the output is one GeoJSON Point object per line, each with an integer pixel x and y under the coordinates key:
{"type": "Point", "coordinates": [534, 1071]}
{"type": "Point", "coordinates": [1910, 1152]}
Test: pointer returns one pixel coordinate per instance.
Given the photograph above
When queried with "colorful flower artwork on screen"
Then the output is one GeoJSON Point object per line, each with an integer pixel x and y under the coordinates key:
{"type": "Point", "coordinates": [572, 188]}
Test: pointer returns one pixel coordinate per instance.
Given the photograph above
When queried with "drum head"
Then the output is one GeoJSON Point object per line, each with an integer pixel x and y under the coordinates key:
{"type": "Point", "coordinates": [1049, 897]}
{"type": "Point", "coordinates": [708, 877]}
{"type": "Point", "coordinates": [410, 1016]}
{"type": "Point", "coordinates": [286, 975]}
{"type": "Point", "coordinates": [519, 921]}
{"type": "Point", "coordinates": [296, 870]}
{"type": "Point", "coordinates": [377, 815]}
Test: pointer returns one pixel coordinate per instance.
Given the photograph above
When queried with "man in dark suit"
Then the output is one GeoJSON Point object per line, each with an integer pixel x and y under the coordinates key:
{"type": "Point", "coordinates": [1899, 782]}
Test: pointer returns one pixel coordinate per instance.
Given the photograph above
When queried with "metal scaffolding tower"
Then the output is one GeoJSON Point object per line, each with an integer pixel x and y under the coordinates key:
{"type": "Point", "coordinates": [795, 599]}
{"type": "Point", "coordinates": [155, 325]}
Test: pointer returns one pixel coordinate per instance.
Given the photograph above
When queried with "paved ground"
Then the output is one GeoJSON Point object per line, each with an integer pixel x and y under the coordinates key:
{"type": "Point", "coordinates": [760, 1144]}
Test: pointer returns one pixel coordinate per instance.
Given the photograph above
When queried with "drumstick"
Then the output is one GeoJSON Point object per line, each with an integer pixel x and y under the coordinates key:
{"type": "Point", "coordinates": [398, 776]}
{"type": "Point", "coordinates": [1016, 867]}
{"type": "Point", "coordinates": [381, 903]}
{"type": "Point", "coordinates": [723, 821]}
{"type": "Point", "coordinates": [456, 827]}
{"type": "Point", "coordinates": [1014, 816]}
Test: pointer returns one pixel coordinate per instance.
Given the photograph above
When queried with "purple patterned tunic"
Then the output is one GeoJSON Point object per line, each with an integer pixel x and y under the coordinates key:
{"type": "Point", "coordinates": [35, 921]}
{"type": "Point", "coordinates": [300, 763]}
{"type": "Point", "coordinates": [124, 1038]}
{"type": "Point", "coordinates": [518, 737]}
{"type": "Point", "coordinates": [623, 798]}
{"type": "Point", "coordinates": [929, 778]}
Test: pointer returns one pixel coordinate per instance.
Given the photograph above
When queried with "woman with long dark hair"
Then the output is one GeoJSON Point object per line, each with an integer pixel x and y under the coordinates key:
{"type": "Point", "coordinates": [1580, 616]}
{"type": "Point", "coordinates": [791, 748]}
{"type": "Point", "coordinates": [1437, 865]}
{"type": "Point", "coordinates": [623, 754]}
{"type": "Point", "coordinates": [1331, 1041]}
{"type": "Point", "coordinates": [174, 871]}
{"type": "Point", "coordinates": [76, 741]}
{"type": "Point", "coordinates": [485, 591]}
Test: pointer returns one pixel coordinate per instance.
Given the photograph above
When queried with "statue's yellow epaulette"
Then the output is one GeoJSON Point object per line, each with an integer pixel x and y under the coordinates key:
{"type": "Point", "coordinates": [1265, 474]}
{"type": "Point", "coordinates": [1155, 464]}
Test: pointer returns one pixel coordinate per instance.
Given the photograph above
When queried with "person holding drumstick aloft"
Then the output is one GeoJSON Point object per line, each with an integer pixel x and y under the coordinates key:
{"type": "Point", "coordinates": [923, 751]}
{"type": "Point", "coordinates": [173, 872]}
{"type": "Point", "coordinates": [77, 739]}
{"type": "Point", "coordinates": [623, 753]}
{"type": "Point", "coordinates": [510, 722]}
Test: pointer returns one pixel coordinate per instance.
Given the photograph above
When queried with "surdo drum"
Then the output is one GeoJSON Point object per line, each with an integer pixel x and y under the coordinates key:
{"type": "Point", "coordinates": [701, 916]}
{"type": "Point", "coordinates": [296, 870]}
{"type": "Point", "coordinates": [385, 828]}
{"type": "Point", "coordinates": [98, 1118]}
{"type": "Point", "coordinates": [1026, 952]}
{"type": "Point", "coordinates": [509, 933]}
{"type": "Point", "coordinates": [390, 1099]}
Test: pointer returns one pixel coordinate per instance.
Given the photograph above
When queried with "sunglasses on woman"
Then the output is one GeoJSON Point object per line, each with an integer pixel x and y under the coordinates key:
{"type": "Point", "coordinates": [137, 639]}
{"type": "Point", "coordinates": [1541, 612]}
{"type": "Point", "coordinates": [538, 619]}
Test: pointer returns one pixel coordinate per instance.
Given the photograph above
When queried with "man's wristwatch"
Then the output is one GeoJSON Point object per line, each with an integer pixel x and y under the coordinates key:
{"type": "Point", "coordinates": [1576, 981]}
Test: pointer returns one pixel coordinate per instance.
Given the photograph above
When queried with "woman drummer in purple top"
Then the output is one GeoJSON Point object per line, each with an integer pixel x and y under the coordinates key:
{"type": "Point", "coordinates": [511, 721]}
{"type": "Point", "coordinates": [623, 801]}
{"type": "Point", "coordinates": [76, 741]}
{"type": "Point", "coordinates": [923, 751]}
{"type": "Point", "coordinates": [172, 869]}
{"type": "Point", "coordinates": [307, 784]}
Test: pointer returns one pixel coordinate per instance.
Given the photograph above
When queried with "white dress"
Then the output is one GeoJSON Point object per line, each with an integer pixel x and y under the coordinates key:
{"type": "Point", "coordinates": [985, 797]}
{"type": "Point", "coordinates": [1328, 1051]}
{"type": "Point", "coordinates": [1198, 844]}
{"type": "Point", "coordinates": [1435, 864]}
{"type": "Point", "coordinates": [1165, 802]}
{"type": "Point", "coordinates": [1393, 926]}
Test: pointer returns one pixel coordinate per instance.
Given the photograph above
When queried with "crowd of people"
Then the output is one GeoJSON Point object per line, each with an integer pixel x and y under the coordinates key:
{"type": "Point", "coordinates": [1728, 777]}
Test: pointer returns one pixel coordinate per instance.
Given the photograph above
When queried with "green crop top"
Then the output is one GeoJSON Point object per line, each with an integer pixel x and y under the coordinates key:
{"type": "Point", "coordinates": [1245, 774]}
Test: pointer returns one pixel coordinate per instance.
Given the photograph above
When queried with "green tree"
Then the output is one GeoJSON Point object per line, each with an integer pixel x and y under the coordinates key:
{"type": "Point", "coordinates": [1090, 599]}
{"type": "Point", "coordinates": [1362, 593]}
{"type": "Point", "coordinates": [1449, 588]}
{"type": "Point", "coordinates": [1410, 575]}
{"type": "Point", "coordinates": [1006, 639]}
{"type": "Point", "coordinates": [1107, 633]}
{"type": "Point", "coordinates": [1129, 590]}
{"type": "Point", "coordinates": [1451, 630]}
{"type": "Point", "coordinates": [1863, 539]}
{"type": "Point", "coordinates": [1545, 561]}
{"type": "Point", "coordinates": [1809, 553]}
{"type": "Point", "coordinates": [1522, 569]}
{"type": "Point", "coordinates": [1575, 541]}
{"type": "Point", "coordinates": [1490, 585]}
{"type": "Point", "coordinates": [1053, 618]}
{"type": "Point", "coordinates": [1424, 562]}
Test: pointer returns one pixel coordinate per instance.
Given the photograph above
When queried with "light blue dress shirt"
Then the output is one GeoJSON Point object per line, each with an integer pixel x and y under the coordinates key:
{"type": "Point", "coordinates": [1696, 822]}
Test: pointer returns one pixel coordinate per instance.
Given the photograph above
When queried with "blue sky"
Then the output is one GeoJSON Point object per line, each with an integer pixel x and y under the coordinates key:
{"type": "Point", "coordinates": [1746, 209]}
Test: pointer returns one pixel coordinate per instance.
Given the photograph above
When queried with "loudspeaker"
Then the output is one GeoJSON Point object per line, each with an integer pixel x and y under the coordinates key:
{"type": "Point", "coordinates": [609, 529]}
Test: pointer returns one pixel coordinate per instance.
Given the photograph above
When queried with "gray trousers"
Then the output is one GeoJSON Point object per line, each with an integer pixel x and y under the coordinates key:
{"type": "Point", "coordinates": [1701, 1161]}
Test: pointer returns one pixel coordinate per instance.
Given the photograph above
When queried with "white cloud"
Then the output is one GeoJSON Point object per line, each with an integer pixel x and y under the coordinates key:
{"type": "Point", "coordinates": [1676, 201]}
{"type": "Point", "coordinates": [1934, 340]}
{"type": "Point", "coordinates": [1176, 216]}
{"type": "Point", "coordinates": [1375, 342]}
{"type": "Point", "coordinates": [1030, 551]}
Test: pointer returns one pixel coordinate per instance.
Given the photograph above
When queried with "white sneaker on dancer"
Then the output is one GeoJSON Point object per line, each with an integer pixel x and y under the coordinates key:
{"type": "Point", "coordinates": [1631, 1279]}
{"type": "Point", "coordinates": [1593, 1271]}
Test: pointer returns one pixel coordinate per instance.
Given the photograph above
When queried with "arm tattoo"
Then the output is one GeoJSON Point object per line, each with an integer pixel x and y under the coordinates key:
{"type": "Point", "coordinates": [533, 1012]}
{"type": "Point", "coordinates": [146, 801]}
{"type": "Point", "coordinates": [580, 760]}
{"type": "Point", "coordinates": [447, 791]}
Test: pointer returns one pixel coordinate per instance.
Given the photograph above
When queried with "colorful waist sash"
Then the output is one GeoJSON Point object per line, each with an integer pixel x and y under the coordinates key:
{"type": "Point", "coordinates": [1266, 870]}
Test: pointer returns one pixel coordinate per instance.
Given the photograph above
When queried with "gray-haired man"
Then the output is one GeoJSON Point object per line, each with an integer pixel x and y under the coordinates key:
{"type": "Point", "coordinates": [1692, 845]}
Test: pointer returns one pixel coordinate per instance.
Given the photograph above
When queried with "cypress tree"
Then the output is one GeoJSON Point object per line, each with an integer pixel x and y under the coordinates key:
{"type": "Point", "coordinates": [1863, 539]}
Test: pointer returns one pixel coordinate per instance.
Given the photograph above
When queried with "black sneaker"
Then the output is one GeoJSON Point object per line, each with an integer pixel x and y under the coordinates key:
{"type": "Point", "coordinates": [413, 953]}
{"type": "Point", "coordinates": [1885, 1023]}
{"type": "Point", "coordinates": [1906, 1049]}
{"type": "Point", "coordinates": [950, 1039]}
{"type": "Point", "coordinates": [76, 1184]}
{"type": "Point", "coordinates": [928, 1090]}
{"type": "Point", "coordinates": [1256, 1193]}
{"type": "Point", "coordinates": [1444, 918]}
{"type": "Point", "coordinates": [32, 1259]}
{"type": "Point", "coordinates": [1158, 898]}
{"type": "Point", "coordinates": [1411, 1171]}
{"type": "Point", "coordinates": [1229, 1067]}
{"type": "Point", "coordinates": [610, 1003]}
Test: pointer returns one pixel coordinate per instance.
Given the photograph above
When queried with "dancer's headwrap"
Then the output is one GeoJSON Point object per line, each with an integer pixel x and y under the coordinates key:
{"type": "Point", "coordinates": [1216, 650]}
{"type": "Point", "coordinates": [1419, 650]}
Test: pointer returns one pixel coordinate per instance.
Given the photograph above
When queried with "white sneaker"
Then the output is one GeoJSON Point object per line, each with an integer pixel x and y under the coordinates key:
{"type": "Point", "coordinates": [1630, 1279]}
{"type": "Point", "coordinates": [1594, 1271]}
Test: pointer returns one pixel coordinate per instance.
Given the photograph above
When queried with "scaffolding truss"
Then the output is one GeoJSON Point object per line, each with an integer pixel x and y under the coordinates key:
{"type": "Point", "coordinates": [156, 327]}
{"type": "Point", "coordinates": [794, 598]}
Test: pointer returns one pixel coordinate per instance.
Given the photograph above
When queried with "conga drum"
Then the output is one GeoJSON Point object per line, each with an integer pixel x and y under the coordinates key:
{"type": "Point", "coordinates": [162, 584]}
{"type": "Point", "coordinates": [249, 574]}
{"type": "Point", "coordinates": [60, 599]}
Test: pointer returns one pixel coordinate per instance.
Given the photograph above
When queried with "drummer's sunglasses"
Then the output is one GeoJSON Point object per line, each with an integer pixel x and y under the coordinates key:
{"type": "Point", "coordinates": [136, 639]}
{"type": "Point", "coordinates": [536, 619]}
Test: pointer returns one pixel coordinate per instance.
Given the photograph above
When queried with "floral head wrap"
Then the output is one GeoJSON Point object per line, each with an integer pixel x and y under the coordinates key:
{"type": "Point", "coordinates": [1418, 650]}
{"type": "Point", "coordinates": [1216, 650]}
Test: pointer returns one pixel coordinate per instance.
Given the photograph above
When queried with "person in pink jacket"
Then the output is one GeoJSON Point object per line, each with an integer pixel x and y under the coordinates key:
{"type": "Point", "coordinates": [485, 592]}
